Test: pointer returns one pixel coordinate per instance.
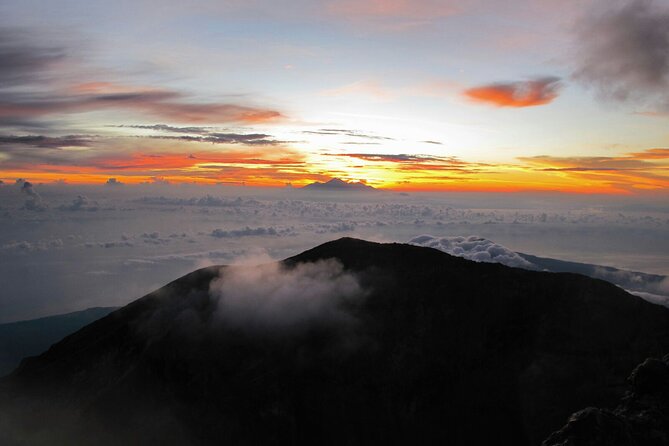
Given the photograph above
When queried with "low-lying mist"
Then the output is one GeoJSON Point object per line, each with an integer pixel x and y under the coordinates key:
{"type": "Point", "coordinates": [274, 296]}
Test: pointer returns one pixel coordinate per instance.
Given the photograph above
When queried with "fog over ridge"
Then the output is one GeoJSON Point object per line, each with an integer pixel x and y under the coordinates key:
{"type": "Point", "coordinates": [273, 295]}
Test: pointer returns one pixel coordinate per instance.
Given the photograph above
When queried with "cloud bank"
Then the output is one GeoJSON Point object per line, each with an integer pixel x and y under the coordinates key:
{"type": "Point", "coordinates": [473, 248]}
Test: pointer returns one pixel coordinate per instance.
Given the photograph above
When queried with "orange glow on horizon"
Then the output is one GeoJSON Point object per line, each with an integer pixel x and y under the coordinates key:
{"type": "Point", "coordinates": [278, 166]}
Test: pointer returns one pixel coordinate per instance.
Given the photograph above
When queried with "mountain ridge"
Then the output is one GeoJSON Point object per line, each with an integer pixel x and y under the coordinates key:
{"type": "Point", "coordinates": [337, 184]}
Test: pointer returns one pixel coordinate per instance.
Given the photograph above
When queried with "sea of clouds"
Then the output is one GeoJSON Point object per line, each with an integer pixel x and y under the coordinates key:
{"type": "Point", "coordinates": [68, 247]}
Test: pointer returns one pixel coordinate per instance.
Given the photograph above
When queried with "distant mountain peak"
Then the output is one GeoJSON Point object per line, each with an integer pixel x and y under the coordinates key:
{"type": "Point", "coordinates": [337, 184]}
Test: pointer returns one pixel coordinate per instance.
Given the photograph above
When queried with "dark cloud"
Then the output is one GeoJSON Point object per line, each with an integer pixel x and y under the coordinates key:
{"type": "Point", "coordinates": [170, 128]}
{"type": "Point", "coordinates": [345, 132]}
{"type": "Point", "coordinates": [400, 158]}
{"type": "Point", "coordinates": [166, 104]}
{"type": "Point", "coordinates": [531, 93]}
{"type": "Point", "coordinates": [254, 139]}
{"type": "Point", "coordinates": [26, 187]}
{"type": "Point", "coordinates": [32, 150]}
{"type": "Point", "coordinates": [623, 53]}
{"type": "Point", "coordinates": [386, 157]}
{"type": "Point", "coordinates": [46, 141]}
{"type": "Point", "coordinates": [418, 163]}
{"type": "Point", "coordinates": [206, 134]}
{"type": "Point", "coordinates": [22, 62]}
{"type": "Point", "coordinates": [34, 201]}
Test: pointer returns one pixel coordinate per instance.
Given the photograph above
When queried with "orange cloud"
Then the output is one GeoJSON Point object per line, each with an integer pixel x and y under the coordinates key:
{"type": "Point", "coordinates": [516, 94]}
{"type": "Point", "coordinates": [634, 171]}
{"type": "Point", "coordinates": [651, 154]}
{"type": "Point", "coordinates": [136, 159]}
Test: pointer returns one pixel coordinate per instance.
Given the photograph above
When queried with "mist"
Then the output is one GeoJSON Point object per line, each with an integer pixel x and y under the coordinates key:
{"type": "Point", "coordinates": [272, 296]}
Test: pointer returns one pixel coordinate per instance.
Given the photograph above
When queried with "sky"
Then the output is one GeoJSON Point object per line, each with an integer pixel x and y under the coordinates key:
{"type": "Point", "coordinates": [140, 140]}
{"type": "Point", "coordinates": [423, 95]}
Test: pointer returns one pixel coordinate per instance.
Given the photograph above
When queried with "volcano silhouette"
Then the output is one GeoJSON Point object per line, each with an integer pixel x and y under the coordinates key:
{"type": "Point", "coordinates": [434, 350]}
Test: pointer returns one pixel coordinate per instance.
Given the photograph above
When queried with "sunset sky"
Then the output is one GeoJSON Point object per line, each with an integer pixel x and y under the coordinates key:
{"type": "Point", "coordinates": [520, 95]}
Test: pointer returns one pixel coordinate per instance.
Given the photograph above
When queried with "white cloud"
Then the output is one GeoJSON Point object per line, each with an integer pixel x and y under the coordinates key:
{"type": "Point", "coordinates": [473, 248]}
{"type": "Point", "coordinates": [652, 298]}
{"type": "Point", "coordinates": [273, 296]}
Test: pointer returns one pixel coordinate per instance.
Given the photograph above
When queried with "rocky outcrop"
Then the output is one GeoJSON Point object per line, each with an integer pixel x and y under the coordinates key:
{"type": "Point", "coordinates": [641, 419]}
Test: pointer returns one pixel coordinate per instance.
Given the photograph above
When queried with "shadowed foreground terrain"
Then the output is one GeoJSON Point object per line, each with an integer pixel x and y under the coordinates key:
{"type": "Point", "coordinates": [641, 418]}
{"type": "Point", "coordinates": [351, 342]}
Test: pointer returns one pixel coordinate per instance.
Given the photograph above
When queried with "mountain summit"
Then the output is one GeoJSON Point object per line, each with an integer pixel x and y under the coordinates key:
{"type": "Point", "coordinates": [337, 184]}
{"type": "Point", "coordinates": [351, 342]}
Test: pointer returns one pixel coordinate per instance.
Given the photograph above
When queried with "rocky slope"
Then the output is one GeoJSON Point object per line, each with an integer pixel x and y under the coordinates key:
{"type": "Point", "coordinates": [641, 418]}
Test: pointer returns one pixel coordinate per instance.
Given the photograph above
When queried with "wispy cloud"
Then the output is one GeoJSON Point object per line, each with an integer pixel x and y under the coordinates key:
{"type": "Point", "coordinates": [46, 141]}
{"type": "Point", "coordinates": [23, 62]}
{"type": "Point", "coordinates": [346, 132]}
{"type": "Point", "coordinates": [165, 104]}
{"type": "Point", "coordinates": [34, 86]}
{"type": "Point", "coordinates": [658, 153]}
{"type": "Point", "coordinates": [205, 134]}
{"type": "Point", "coordinates": [633, 171]}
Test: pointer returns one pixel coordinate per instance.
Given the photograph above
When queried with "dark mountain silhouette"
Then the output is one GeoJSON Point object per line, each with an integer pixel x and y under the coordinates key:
{"type": "Point", "coordinates": [337, 184]}
{"type": "Point", "coordinates": [32, 337]}
{"type": "Point", "coordinates": [435, 350]}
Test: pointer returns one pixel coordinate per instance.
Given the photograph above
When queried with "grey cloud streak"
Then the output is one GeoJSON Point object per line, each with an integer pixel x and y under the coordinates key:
{"type": "Point", "coordinates": [62, 90]}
